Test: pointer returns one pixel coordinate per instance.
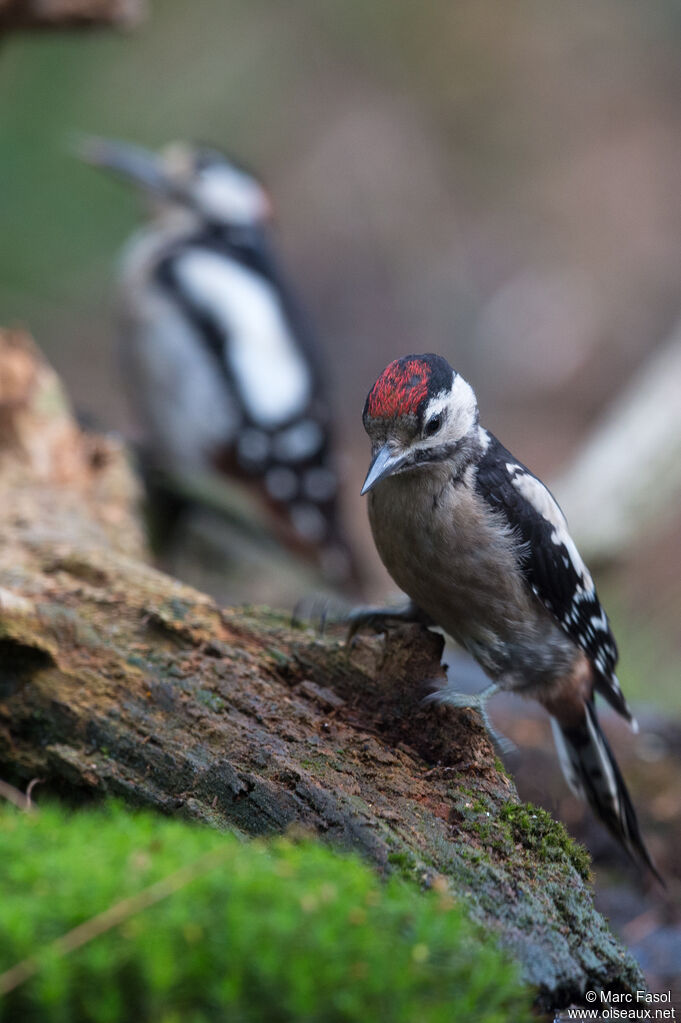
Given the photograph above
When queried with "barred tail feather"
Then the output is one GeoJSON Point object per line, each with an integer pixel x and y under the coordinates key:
{"type": "Point", "coordinates": [609, 688]}
{"type": "Point", "coordinates": [592, 773]}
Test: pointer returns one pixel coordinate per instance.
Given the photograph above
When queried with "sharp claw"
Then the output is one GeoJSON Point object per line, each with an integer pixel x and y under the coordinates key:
{"type": "Point", "coordinates": [319, 611]}
{"type": "Point", "coordinates": [378, 618]}
{"type": "Point", "coordinates": [360, 619]}
{"type": "Point", "coordinates": [351, 634]}
{"type": "Point", "coordinates": [355, 624]}
{"type": "Point", "coordinates": [502, 742]}
{"type": "Point", "coordinates": [505, 745]}
{"type": "Point", "coordinates": [475, 701]}
{"type": "Point", "coordinates": [296, 617]}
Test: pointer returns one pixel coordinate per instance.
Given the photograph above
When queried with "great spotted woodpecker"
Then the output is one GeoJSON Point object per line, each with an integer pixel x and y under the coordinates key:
{"type": "Point", "coordinates": [221, 369]}
{"type": "Point", "coordinates": [482, 550]}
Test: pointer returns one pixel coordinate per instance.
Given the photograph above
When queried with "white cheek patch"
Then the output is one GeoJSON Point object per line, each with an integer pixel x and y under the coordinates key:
{"type": "Point", "coordinates": [231, 196]}
{"type": "Point", "coordinates": [460, 407]}
{"type": "Point", "coordinates": [538, 496]}
{"type": "Point", "coordinates": [272, 376]}
{"type": "Point", "coordinates": [462, 399]}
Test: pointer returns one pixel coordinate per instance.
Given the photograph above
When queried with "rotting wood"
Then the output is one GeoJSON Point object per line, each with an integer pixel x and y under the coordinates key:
{"type": "Point", "coordinates": [51, 14]}
{"type": "Point", "coordinates": [117, 680]}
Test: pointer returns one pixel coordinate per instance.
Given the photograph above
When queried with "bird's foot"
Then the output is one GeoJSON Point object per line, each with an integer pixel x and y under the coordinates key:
{"type": "Point", "coordinates": [378, 618]}
{"type": "Point", "coordinates": [317, 610]}
{"type": "Point", "coordinates": [475, 701]}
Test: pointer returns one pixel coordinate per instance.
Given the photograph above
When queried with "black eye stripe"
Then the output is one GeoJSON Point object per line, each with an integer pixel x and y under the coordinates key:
{"type": "Point", "coordinates": [436, 454]}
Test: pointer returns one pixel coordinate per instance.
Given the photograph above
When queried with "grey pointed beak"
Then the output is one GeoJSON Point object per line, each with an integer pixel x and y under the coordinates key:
{"type": "Point", "coordinates": [385, 463]}
{"type": "Point", "coordinates": [135, 163]}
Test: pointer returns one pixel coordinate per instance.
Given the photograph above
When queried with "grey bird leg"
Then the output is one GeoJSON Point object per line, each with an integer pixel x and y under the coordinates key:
{"type": "Point", "coordinates": [475, 701]}
{"type": "Point", "coordinates": [319, 610]}
{"type": "Point", "coordinates": [378, 618]}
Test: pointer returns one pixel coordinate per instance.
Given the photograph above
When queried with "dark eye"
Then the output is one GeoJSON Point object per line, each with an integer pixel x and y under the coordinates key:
{"type": "Point", "coordinates": [432, 426]}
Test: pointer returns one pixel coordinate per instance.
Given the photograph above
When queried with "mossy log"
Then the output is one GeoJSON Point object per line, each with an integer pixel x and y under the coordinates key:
{"type": "Point", "coordinates": [117, 680]}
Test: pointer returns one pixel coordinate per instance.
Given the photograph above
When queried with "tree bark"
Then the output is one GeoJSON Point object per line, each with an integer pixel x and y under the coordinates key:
{"type": "Point", "coordinates": [50, 14]}
{"type": "Point", "coordinates": [118, 680]}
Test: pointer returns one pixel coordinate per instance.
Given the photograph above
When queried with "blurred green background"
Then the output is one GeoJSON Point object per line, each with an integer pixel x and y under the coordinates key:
{"type": "Point", "coordinates": [498, 181]}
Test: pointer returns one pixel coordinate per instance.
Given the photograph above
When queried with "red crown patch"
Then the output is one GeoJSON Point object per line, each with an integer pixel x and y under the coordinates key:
{"type": "Point", "coordinates": [399, 390]}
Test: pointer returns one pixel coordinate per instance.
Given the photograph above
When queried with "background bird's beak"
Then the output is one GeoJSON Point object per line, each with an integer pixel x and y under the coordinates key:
{"type": "Point", "coordinates": [135, 163]}
{"type": "Point", "coordinates": [385, 463]}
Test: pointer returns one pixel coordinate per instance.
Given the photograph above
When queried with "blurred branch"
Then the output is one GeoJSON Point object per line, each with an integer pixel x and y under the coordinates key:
{"type": "Point", "coordinates": [42, 14]}
{"type": "Point", "coordinates": [627, 476]}
{"type": "Point", "coordinates": [14, 796]}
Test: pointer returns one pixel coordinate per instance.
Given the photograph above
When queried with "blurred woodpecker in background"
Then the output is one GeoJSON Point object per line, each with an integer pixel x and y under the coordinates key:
{"type": "Point", "coordinates": [222, 372]}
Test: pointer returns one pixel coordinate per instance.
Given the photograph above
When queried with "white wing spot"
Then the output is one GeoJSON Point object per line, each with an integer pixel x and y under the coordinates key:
{"type": "Point", "coordinates": [319, 484]}
{"type": "Point", "coordinates": [299, 441]}
{"type": "Point", "coordinates": [308, 522]}
{"type": "Point", "coordinates": [599, 622]}
{"type": "Point", "coordinates": [281, 484]}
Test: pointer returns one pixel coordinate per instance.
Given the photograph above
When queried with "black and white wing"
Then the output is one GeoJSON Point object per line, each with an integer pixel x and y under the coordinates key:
{"type": "Point", "coordinates": [179, 396]}
{"type": "Point", "coordinates": [243, 324]}
{"type": "Point", "coordinates": [253, 249]}
{"type": "Point", "coordinates": [551, 562]}
{"type": "Point", "coordinates": [239, 316]}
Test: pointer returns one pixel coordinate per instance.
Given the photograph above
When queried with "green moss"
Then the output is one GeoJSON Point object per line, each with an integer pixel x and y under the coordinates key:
{"type": "Point", "coordinates": [135, 661]}
{"type": "Point", "coordinates": [271, 616]}
{"type": "Point", "coordinates": [399, 859]}
{"type": "Point", "coordinates": [210, 699]}
{"type": "Point", "coordinates": [281, 931]}
{"type": "Point", "coordinates": [544, 837]}
{"type": "Point", "coordinates": [281, 659]}
{"type": "Point", "coordinates": [501, 829]}
{"type": "Point", "coordinates": [406, 866]}
{"type": "Point", "coordinates": [178, 609]}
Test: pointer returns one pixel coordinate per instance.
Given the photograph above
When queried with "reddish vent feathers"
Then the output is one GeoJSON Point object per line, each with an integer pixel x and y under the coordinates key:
{"type": "Point", "coordinates": [400, 389]}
